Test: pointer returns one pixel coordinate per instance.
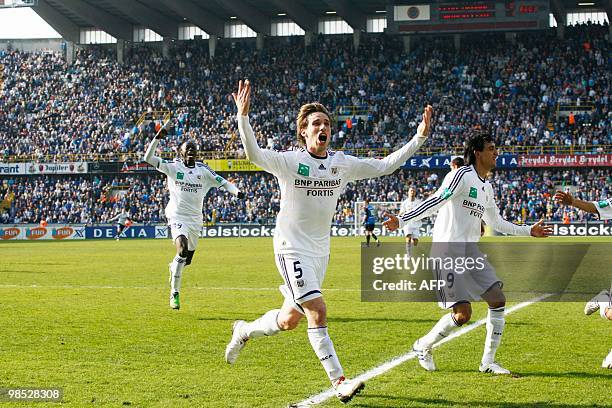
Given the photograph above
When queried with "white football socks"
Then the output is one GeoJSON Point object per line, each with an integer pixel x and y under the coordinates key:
{"type": "Point", "coordinates": [442, 329]}
{"type": "Point", "coordinates": [602, 309]}
{"type": "Point", "coordinates": [324, 349]}
{"type": "Point", "coordinates": [266, 325]}
{"type": "Point", "coordinates": [495, 328]}
{"type": "Point", "coordinates": [409, 249]}
{"type": "Point", "coordinates": [176, 267]}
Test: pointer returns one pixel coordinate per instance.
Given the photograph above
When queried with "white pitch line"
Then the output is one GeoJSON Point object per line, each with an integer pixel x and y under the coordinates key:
{"type": "Point", "coordinates": [383, 368]}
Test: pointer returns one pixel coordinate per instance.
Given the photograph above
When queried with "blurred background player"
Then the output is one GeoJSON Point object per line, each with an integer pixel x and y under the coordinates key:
{"type": "Point", "coordinates": [123, 221]}
{"type": "Point", "coordinates": [464, 198]}
{"type": "Point", "coordinates": [456, 163]}
{"type": "Point", "coordinates": [412, 229]}
{"type": "Point", "coordinates": [311, 179]}
{"type": "Point", "coordinates": [188, 182]}
{"type": "Point", "coordinates": [369, 221]}
{"type": "Point", "coordinates": [603, 300]}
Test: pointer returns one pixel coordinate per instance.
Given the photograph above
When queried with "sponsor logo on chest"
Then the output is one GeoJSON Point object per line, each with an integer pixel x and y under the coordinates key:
{"type": "Point", "coordinates": [303, 170]}
{"type": "Point", "coordinates": [318, 188]}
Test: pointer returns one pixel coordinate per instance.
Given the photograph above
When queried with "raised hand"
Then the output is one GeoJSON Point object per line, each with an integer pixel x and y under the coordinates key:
{"type": "Point", "coordinates": [243, 97]}
{"type": "Point", "coordinates": [425, 125]}
{"type": "Point", "coordinates": [392, 222]}
{"type": "Point", "coordinates": [564, 198]}
{"type": "Point", "coordinates": [163, 132]}
{"type": "Point", "coordinates": [539, 230]}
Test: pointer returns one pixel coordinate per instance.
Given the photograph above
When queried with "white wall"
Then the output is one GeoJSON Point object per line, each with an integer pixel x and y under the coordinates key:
{"type": "Point", "coordinates": [49, 44]}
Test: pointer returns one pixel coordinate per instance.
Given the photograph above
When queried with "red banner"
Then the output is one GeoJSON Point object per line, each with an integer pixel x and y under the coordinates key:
{"type": "Point", "coordinates": [564, 160]}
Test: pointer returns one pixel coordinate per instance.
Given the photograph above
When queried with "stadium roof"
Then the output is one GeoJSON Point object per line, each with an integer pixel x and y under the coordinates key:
{"type": "Point", "coordinates": [118, 17]}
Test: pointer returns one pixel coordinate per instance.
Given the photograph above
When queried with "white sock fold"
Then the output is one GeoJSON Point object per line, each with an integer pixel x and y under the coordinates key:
{"type": "Point", "coordinates": [602, 309]}
{"type": "Point", "coordinates": [266, 325]}
{"type": "Point", "coordinates": [324, 349]}
{"type": "Point", "coordinates": [442, 329]}
{"type": "Point", "coordinates": [495, 328]}
{"type": "Point", "coordinates": [177, 266]}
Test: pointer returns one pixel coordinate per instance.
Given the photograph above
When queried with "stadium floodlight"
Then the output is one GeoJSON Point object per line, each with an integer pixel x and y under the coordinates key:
{"type": "Point", "coordinates": [18, 3]}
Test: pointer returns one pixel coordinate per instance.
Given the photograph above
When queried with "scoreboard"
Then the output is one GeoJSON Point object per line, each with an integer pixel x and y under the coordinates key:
{"type": "Point", "coordinates": [468, 16]}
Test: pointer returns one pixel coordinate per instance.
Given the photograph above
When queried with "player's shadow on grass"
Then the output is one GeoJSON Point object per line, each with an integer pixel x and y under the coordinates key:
{"type": "Point", "coordinates": [247, 317]}
{"type": "Point", "coordinates": [378, 319]}
{"type": "Point", "coordinates": [573, 374]}
{"type": "Point", "coordinates": [397, 401]}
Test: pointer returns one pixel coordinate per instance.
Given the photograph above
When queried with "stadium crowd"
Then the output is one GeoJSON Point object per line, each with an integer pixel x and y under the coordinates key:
{"type": "Point", "coordinates": [521, 195]}
{"type": "Point", "coordinates": [90, 107]}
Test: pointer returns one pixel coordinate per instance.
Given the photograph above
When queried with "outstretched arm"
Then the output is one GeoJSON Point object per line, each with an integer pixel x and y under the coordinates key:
{"type": "Point", "coordinates": [149, 156]}
{"type": "Point", "coordinates": [451, 187]}
{"type": "Point", "coordinates": [369, 168]}
{"type": "Point", "coordinates": [266, 159]}
{"type": "Point", "coordinates": [231, 188]}
{"type": "Point", "coordinates": [568, 199]}
{"type": "Point", "coordinates": [494, 219]}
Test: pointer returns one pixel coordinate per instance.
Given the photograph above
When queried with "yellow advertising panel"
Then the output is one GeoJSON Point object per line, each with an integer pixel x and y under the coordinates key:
{"type": "Point", "coordinates": [232, 165]}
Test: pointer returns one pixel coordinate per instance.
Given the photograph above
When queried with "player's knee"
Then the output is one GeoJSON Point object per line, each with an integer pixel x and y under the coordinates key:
{"type": "Point", "coordinates": [288, 322]}
{"type": "Point", "coordinates": [495, 296]}
{"type": "Point", "coordinates": [462, 317]}
{"type": "Point", "coordinates": [181, 247]}
{"type": "Point", "coordinates": [462, 313]}
{"type": "Point", "coordinates": [495, 305]}
{"type": "Point", "coordinates": [317, 314]}
{"type": "Point", "coordinates": [499, 300]}
{"type": "Point", "coordinates": [608, 313]}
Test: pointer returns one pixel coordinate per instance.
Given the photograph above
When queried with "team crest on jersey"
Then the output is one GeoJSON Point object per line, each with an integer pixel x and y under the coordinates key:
{"type": "Point", "coordinates": [446, 194]}
{"type": "Point", "coordinates": [603, 204]}
{"type": "Point", "coordinates": [180, 176]}
{"type": "Point", "coordinates": [334, 171]}
{"type": "Point", "coordinates": [303, 170]}
{"type": "Point", "coordinates": [473, 192]}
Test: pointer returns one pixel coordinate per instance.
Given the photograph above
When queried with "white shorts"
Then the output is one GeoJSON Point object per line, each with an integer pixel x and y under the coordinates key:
{"type": "Point", "coordinates": [190, 230]}
{"type": "Point", "coordinates": [303, 276]}
{"type": "Point", "coordinates": [463, 286]}
{"type": "Point", "coordinates": [415, 231]}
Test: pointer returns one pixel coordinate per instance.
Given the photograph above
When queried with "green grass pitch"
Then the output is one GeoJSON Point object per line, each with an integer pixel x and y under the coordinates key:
{"type": "Point", "coordinates": [93, 317]}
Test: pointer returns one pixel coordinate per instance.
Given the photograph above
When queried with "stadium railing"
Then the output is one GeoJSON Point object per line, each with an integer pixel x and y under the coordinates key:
{"type": "Point", "coordinates": [360, 152]}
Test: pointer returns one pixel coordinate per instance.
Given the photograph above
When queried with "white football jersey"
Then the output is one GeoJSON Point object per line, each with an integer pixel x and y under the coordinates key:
{"type": "Point", "coordinates": [188, 186]}
{"type": "Point", "coordinates": [409, 205]}
{"type": "Point", "coordinates": [122, 217]}
{"type": "Point", "coordinates": [463, 200]}
{"type": "Point", "coordinates": [310, 188]}
{"type": "Point", "coordinates": [604, 208]}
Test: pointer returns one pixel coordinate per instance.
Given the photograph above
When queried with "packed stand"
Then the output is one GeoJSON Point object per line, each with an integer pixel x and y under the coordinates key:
{"type": "Point", "coordinates": [522, 196]}
{"type": "Point", "coordinates": [52, 111]}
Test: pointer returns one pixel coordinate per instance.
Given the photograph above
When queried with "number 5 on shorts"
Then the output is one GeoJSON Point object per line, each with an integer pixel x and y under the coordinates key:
{"type": "Point", "coordinates": [297, 270]}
